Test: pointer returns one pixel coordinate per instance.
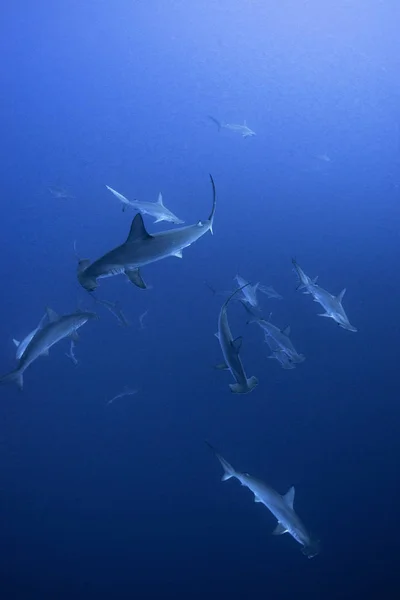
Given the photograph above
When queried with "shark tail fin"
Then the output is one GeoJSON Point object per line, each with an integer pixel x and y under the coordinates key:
{"type": "Point", "coordinates": [211, 217]}
{"type": "Point", "coordinates": [13, 377]}
{"type": "Point", "coordinates": [229, 471]}
{"type": "Point", "coordinates": [217, 123]}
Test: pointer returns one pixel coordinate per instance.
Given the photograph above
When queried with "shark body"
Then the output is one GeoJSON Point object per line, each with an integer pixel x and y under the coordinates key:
{"type": "Point", "coordinates": [280, 506]}
{"type": "Point", "coordinates": [142, 248]}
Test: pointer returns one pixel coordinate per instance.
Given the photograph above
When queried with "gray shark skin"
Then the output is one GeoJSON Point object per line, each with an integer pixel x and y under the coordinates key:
{"type": "Point", "coordinates": [281, 338]}
{"type": "Point", "coordinates": [249, 291]}
{"type": "Point", "coordinates": [154, 209]}
{"type": "Point", "coordinates": [21, 346]}
{"type": "Point", "coordinates": [142, 248]}
{"type": "Point", "coordinates": [230, 350]}
{"type": "Point", "coordinates": [269, 291]}
{"type": "Point", "coordinates": [331, 304]}
{"type": "Point", "coordinates": [280, 506]}
{"type": "Point", "coordinates": [243, 130]}
{"type": "Point", "coordinates": [279, 355]}
{"type": "Point", "coordinates": [57, 329]}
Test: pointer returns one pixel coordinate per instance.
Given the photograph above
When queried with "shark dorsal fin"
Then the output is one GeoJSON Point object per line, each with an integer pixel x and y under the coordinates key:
{"type": "Point", "coordinates": [340, 297]}
{"type": "Point", "coordinates": [137, 231]}
{"type": "Point", "coordinates": [289, 497]}
{"type": "Point", "coordinates": [286, 331]}
{"type": "Point", "coordinates": [237, 343]}
{"type": "Point", "coordinates": [159, 199]}
{"type": "Point", "coordinates": [52, 315]}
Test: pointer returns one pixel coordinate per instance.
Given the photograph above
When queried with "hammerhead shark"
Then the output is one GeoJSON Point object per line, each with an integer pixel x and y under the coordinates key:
{"type": "Point", "coordinates": [331, 304]}
{"type": "Point", "coordinates": [230, 349]}
{"type": "Point", "coordinates": [280, 506]}
{"type": "Point", "coordinates": [142, 248]}
{"type": "Point", "coordinates": [155, 209]}
{"type": "Point", "coordinates": [243, 130]}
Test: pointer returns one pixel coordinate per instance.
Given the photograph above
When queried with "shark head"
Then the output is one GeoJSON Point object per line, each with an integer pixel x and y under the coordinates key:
{"type": "Point", "coordinates": [311, 549]}
{"type": "Point", "coordinates": [177, 221]}
{"type": "Point", "coordinates": [87, 282]}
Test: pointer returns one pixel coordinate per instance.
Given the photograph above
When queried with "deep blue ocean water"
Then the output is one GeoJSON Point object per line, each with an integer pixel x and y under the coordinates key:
{"type": "Point", "coordinates": [125, 500]}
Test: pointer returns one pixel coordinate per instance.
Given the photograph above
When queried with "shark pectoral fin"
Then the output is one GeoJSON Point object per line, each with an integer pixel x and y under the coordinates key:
{"type": "Point", "coordinates": [135, 277]}
{"type": "Point", "coordinates": [138, 231]}
{"type": "Point", "coordinates": [340, 297]}
{"type": "Point", "coordinates": [221, 367]}
{"type": "Point", "coordinates": [74, 336]}
{"type": "Point", "coordinates": [286, 331]}
{"type": "Point", "coordinates": [52, 315]}
{"type": "Point", "coordinates": [279, 529]}
{"type": "Point", "coordinates": [288, 498]}
{"type": "Point", "coordinates": [324, 315]}
{"type": "Point", "coordinates": [158, 220]}
{"type": "Point", "coordinates": [237, 344]}
{"type": "Point", "coordinates": [45, 352]}
{"type": "Point", "coordinates": [178, 254]}
{"type": "Point", "coordinates": [257, 499]}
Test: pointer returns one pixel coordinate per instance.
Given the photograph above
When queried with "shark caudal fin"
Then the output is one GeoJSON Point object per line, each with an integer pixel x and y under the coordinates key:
{"type": "Point", "coordinates": [217, 123]}
{"type": "Point", "coordinates": [211, 217]}
{"type": "Point", "coordinates": [13, 377]}
{"type": "Point", "coordinates": [229, 471]}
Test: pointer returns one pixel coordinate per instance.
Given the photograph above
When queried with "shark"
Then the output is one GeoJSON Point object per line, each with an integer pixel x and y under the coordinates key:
{"type": "Point", "coordinates": [331, 304]}
{"type": "Point", "coordinates": [115, 309]}
{"type": "Point", "coordinates": [57, 328]}
{"type": "Point", "coordinates": [249, 291]}
{"type": "Point", "coordinates": [142, 248]}
{"type": "Point", "coordinates": [278, 354]}
{"type": "Point", "coordinates": [230, 349]}
{"type": "Point", "coordinates": [280, 338]}
{"type": "Point", "coordinates": [243, 130]}
{"type": "Point", "coordinates": [154, 209]}
{"type": "Point", "coordinates": [282, 507]}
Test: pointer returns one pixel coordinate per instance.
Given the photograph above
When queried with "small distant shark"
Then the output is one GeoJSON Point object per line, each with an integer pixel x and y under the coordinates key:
{"type": "Point", "coordinates": [55, 330]}
{"type": "Point", "coordinates": [278, 354]}
{"type": "Point", "coordinates": [71, 354]}
{"type": "Point", "coordinates": [154, 209]}
{"type": "Point", "coordinates": [331, 304]}
{"type": "Point", "coordinates": [115, 310]}
{"type": "Point", "coordinates": [243, 130]}
{"type": "Point", "coordinates": [280, 506]}
{"type": "Point", "coordinates": [142, 248]}
{"type": "Point", "coordinates": [280, 339]}
{"type": "Point", "coordinates": [249, 291]}
{"type": "Point", "coordinates": [60, 193]}
{"type": "Point", "coordinates": [230, 349]}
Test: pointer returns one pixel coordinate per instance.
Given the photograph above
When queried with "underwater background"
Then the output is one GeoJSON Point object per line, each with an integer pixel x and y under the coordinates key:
{"type": "Point", "coordinates": [125, 500]}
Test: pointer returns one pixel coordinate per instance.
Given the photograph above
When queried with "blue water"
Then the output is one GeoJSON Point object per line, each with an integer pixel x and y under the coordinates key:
{"type": "Point", "coordinates": [125, 500]}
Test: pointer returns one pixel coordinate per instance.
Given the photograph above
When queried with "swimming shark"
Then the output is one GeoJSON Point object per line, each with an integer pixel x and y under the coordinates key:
{"type": "Point", "coordinates": [281, 338]}
{"type": "Point", "coordinates": [230, 349]}
{"type": "Point", "coordinates": [142, 248]}
{"type": "Point", "coordinates": [280, 506]}
{"type": "Point", "coordinates": [243, 130]}
{"type": "Point", "coordinates": [331, 304]}
{"type": "Point", "coordinates": [278, 354]}
{"type": "Point", "coordinates": [115, 309]}
{"type": "Point", "coordinates": [57, 328]}
{"type": "Point", "coordinates": [249, 291]}
{"type": "Point", "coordinates": [154, 209]}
